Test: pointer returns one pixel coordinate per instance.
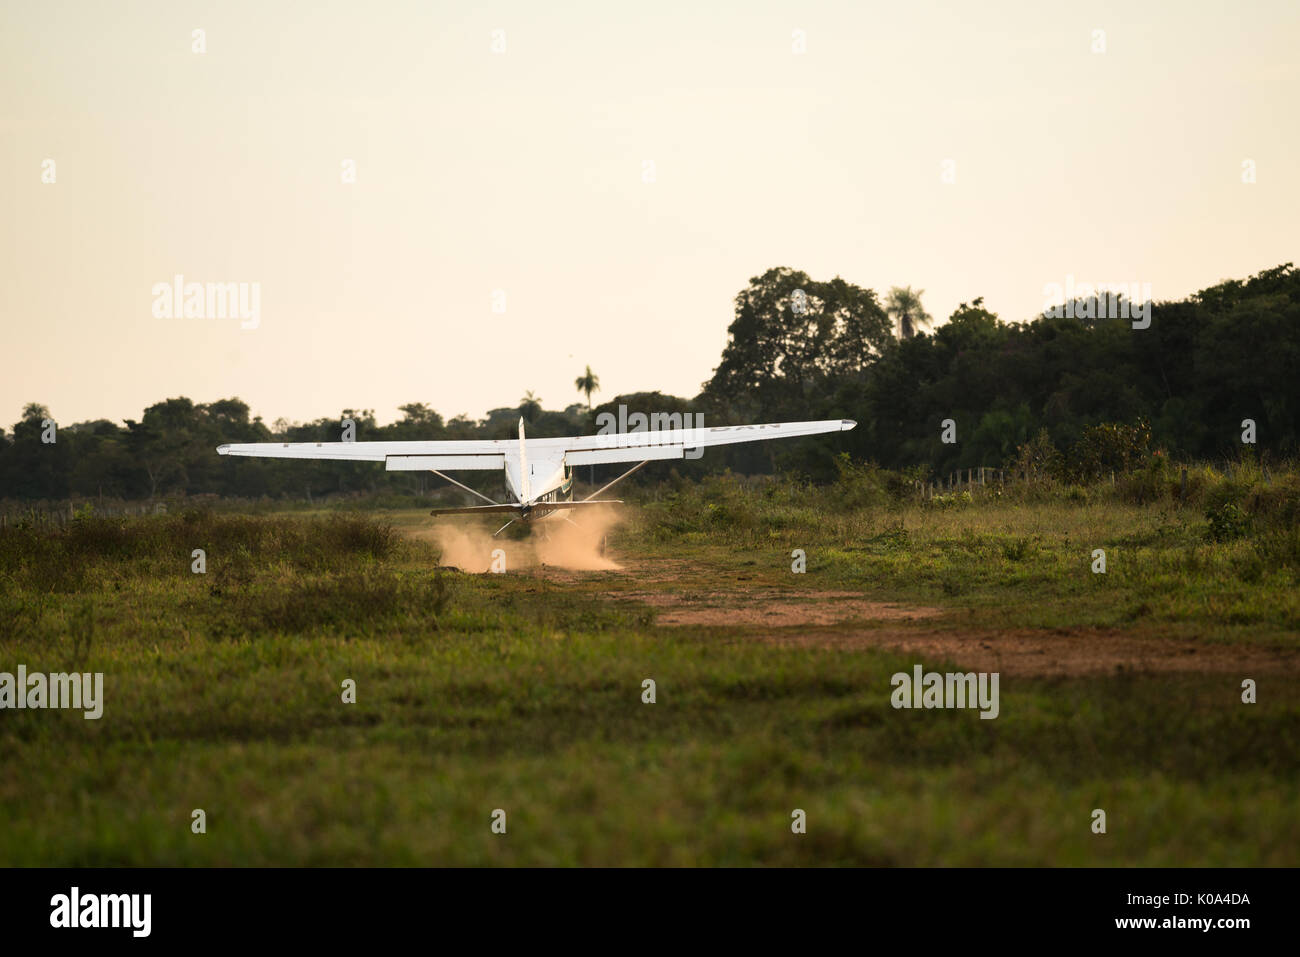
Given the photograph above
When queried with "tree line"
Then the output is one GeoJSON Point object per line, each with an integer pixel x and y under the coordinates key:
{"type": "Point", "coordinates": [1070, 386]}
{"type": "Point", "coordinates": [1184, 384]}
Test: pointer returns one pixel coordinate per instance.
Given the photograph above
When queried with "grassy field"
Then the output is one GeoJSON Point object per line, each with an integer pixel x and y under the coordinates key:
{"type": "Point", "coordinates": [523, 691]}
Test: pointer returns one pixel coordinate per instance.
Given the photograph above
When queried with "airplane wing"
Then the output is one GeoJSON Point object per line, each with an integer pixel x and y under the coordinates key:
{"type": "Point", "coordinates": [447, 456]}
{"type": "Point", "coordinates": [673, 443]}
{"type": "Point", "coordinates": [397, 456]}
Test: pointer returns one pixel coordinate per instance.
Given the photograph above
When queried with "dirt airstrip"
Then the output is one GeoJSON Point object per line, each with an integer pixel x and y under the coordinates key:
{"type": "Point", "coordinates": [754, 608]}
{"type": "Point", "coordinates": [800, 618]}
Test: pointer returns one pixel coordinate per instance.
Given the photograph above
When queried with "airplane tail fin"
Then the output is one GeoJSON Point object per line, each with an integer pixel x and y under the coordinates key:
{"type": "Point", "coordinates": [525, 486]}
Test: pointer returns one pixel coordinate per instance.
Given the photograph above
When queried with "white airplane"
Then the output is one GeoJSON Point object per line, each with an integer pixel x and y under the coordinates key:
{"type": "Point", "coordinates": [538, 472]}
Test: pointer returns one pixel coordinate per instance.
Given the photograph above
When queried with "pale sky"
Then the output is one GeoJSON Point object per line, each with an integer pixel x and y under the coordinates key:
{"type": "Point", "coordinates": [524, 171]}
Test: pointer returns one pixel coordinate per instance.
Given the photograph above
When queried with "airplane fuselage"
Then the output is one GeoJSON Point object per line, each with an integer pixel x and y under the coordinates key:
{"type": "Point", "coordinates": [538, 481]}
{"type": "Point", "coordinates": [548, 483]}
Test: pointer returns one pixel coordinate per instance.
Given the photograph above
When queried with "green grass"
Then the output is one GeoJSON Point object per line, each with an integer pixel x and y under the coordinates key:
{"type": "Point", "coordinates": [523, 692]}
{"type": "Point", "coordinates": [1008, 560]}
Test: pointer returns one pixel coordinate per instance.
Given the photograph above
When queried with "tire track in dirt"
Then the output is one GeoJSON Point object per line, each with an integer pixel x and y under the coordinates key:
{"type": "Point", "coordinates": [847, 621]}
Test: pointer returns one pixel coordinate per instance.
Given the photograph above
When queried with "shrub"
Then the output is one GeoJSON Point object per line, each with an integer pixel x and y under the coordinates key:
{"type": "Point", "coordinates": [1275, 505]}
{"type": "Point", "coordinates": [1109, 447]}
{"type": "Point", "coordinates": [1039, 459]}
{"type": "Point", "coordinates": [1149, 484]}
{"type": "Point", "coordinates": [865, 485]}
{"type": "Point", "coordinates": [1227, 522]}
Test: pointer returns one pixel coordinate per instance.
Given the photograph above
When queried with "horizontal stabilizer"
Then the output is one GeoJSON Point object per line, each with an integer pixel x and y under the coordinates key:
{"type": "Point", "coordinates": [476, 510]}
{"type": "Point", "coordinates": [540, 507]}
{"type": "Point", "coordinates": [553, 506]}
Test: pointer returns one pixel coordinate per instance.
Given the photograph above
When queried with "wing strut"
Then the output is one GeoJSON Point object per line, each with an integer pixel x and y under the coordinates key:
{"type": "Point", "coordinates": [465, 487]}
{"type": "Point", "coordinates": [617, 480]}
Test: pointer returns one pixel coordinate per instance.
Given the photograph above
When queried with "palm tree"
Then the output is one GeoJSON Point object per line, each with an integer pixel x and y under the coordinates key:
{"type": "Point", "coordinates": [530, 407]}
{"type": "Point", "coordinates": [904, 305]}
{"type": "Point", "coordinates": [588, 383]}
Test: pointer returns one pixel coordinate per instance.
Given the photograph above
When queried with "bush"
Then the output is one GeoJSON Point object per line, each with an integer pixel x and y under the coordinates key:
{"type": "Point", "coordinates": [1109, 447]}
{"type": "Point", "coordinates": [1276, 505]}
{"type": "Point", "coordinates": [949, 500]}
{"type": "Point", "coordinates": [866, 485]}
{"type": "Point", "coordinates": [1228, 521]}
{"type": "Point", "coordinates": [1150, 484]}
{"type": "Point", "coordinates": [1039, 459]}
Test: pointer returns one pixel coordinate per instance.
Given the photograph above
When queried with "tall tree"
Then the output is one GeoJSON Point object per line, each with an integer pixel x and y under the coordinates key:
{"type": "Point", "coordinates": [418, 421]}
{"type": "Point", "coordinates": [530, 406]}
{"type": "Point", "coordinates": [32, 467]}
{"type": "Point", "coordinates": [587, 383]}
{"type": "Point", "coordinates": [165, 441]}
{"type": "Point", "coordinates": [904, 306]}
{"type": "Point", "coordinates": [792, 339]}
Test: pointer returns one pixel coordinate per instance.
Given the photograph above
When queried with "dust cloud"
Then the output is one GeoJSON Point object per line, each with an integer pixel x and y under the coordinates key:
{"type": "Point", "coordinates": [552, 541]}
